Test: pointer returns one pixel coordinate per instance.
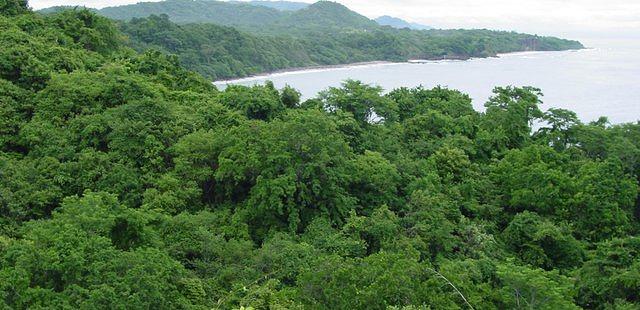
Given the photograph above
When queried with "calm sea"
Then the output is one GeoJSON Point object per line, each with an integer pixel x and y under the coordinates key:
{"type": "Point", "coordinates": [603, 80]}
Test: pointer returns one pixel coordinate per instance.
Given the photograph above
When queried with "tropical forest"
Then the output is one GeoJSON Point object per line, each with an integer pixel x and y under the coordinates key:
{"type": "Point", "coordinates": [129, 181]}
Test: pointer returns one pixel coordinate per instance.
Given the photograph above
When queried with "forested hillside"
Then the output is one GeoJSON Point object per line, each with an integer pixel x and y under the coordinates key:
{"type": "Point", "coordinates": [220, 52]}
{"type": "Point", "coordinates": [264, 39]}
{"type": "Point", "coordinates": [199, 11]}
{"type": "Point", "coordinates": [129, 182]}
{"type": "Point", "coordinates": [216, 52]}
{"type": "Point", "coordinates": [252, 17]}
{"type": "Point", "coordinates": [281, 5]}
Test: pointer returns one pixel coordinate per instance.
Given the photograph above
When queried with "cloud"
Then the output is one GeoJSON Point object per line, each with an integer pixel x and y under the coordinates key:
{"type": "Point", "coordinates": [551, 17]}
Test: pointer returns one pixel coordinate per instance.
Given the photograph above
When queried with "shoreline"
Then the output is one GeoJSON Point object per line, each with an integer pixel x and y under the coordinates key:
{"type": "Point", "coordinates": [321, 68]}
{"type": "Point", "coordinates": [317, 68]}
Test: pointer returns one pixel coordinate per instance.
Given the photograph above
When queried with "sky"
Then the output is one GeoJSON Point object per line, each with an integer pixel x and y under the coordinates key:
{"type": "Point", "coordinates": [581, 18]}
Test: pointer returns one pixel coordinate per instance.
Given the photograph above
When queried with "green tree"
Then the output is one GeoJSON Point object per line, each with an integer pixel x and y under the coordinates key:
{"type": "Point", "coordinates": [90, 254]}
{"type": "Point", "coordinates": [363, 101]}
{"type": "Point", "coordinates": [509, 115]}
{"type": "Point", "coordinates": [542, 244]}
{"type": "Point", "coordinates": [561, 133]}
{"type": "Point", "coordinates": [256, 102]}
{"type": "Point", "coordinates": [526, 288]}
{"type": "Point", "coordinates": [14, 7]}
{"type": "Point", "coordinates": [610, 275]}
{"type": "Point", "coordinates": [604, 202]}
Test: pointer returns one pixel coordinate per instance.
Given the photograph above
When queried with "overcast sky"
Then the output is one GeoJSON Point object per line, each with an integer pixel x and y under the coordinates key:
{"type": "Point", "coordinates": [549, 17]}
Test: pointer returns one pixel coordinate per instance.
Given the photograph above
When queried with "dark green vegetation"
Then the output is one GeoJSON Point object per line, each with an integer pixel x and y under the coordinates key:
{"type": "Point", "coordinates": [324, 33]}
{"type": "Point", "coordinates": [129, 182]}
{"type": "Point", "coordinates": [220, 52]}
{"type": "Point", "coordinates": [255, 18]}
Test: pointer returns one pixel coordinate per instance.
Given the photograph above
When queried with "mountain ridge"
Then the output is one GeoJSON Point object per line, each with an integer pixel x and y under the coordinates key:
{"type": "Point", "coordinates": [252, 16]}
{"type": "Point", "coordinates": [399, 23]}
{"type": "Point", "coordinates": [224, 40]}
{"type": "Point", "coordinates": [280, 5]}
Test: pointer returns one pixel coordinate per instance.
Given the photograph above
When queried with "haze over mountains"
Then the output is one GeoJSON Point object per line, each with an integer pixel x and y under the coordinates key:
{"type": "Point", "coordinates": [232, 13]}
{"type": "Point", "coordinates": [395, 22]}
{"type": "Point", "coordinates": [280, 5]}
{"type": "Point", "coordinates": [384, 20]}
{"type": "Point", "coordinates": [222, 40]}
{"type": "Point", "coordinates": [260, 16]}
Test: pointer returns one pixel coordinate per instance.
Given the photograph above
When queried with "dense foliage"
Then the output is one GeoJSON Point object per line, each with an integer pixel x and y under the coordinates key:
{"type": "Point", "coordinates": [264, 39]}
{"type": "Point", "coordinates": [216, 52]}
{"type": "Point", "coordinates": [323, 14]}
{"type": "Point", "coordinates": [220, 52]}
{"type": "Point", "coordinates": [129, 182]}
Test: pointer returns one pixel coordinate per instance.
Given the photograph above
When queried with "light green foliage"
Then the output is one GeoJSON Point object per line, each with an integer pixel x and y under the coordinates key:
{"type": "Point", "coordinates": [377, 281]}
{"type": "Point", "coordinates": [34, 49]}
{"type": "Point", "coordinates": [92, 253]}
{"type": "Point", "coordinates": [533, 179]}
{"type": "Point", "coordinates": [127, 181]}
{"type": "Point", "coordinates": [528, 288]}
{"type": "Point", "coordinates": [345, 242]}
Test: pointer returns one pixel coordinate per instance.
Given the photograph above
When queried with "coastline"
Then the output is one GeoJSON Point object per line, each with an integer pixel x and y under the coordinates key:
{"type": "Point", "coordinates": [308, 69]}
{"type": "Point", "coordinates": [321, 68]}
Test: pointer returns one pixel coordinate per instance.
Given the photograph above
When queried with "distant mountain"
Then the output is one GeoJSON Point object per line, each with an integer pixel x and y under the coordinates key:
{"type": "Point", "coordinates": [56, 9]}
{"type": "Point", "coordinates": [199, 11]}
{"type": "Point", "coordinates": [328, 14]}
{"type": "Point", "coordinates": [281, 5]}
{"type": "Point", "coordinates": [257, 16]}
{"type": "Point", "coordinates": [398, 23]}
{"type": "Point", "coordinates": [265, 39]}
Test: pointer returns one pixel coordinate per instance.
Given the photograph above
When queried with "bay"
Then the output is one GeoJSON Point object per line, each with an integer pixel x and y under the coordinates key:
{"type": "Point", "coordinates": [603, 80]}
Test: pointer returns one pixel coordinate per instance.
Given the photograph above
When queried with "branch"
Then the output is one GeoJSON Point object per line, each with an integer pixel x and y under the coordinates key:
{"type": "Point", "coordinates": [454, 287]}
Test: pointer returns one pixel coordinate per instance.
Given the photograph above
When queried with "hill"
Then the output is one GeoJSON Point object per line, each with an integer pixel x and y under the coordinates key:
{"type": "Point", "coordinates": [321, 15]}
{"type": "Point", "coordinates": [281, 5]}
{"type": "Point", "coordinates": [60, 8]}
{"type": "Point", "coordinates": [215, 51]}
{"type": "Point", "coordinates": [199, 11]}
{"type": "Point", "coordinates": [398, 23]}
{"type": "Point", "coordinates": [220, 52]}
{"type": "Point", "coordinates": [129, 182]}
{"type": "Point", "coordinates": [256, 17]}
{"type": "Point", "coordinates": [324, 33]}
{"type": "Point", "coordinates": [327, 14]}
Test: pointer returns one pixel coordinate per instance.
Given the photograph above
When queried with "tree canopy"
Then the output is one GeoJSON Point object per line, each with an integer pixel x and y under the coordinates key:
{"type": "Point", "coordinates": [128, 181]}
